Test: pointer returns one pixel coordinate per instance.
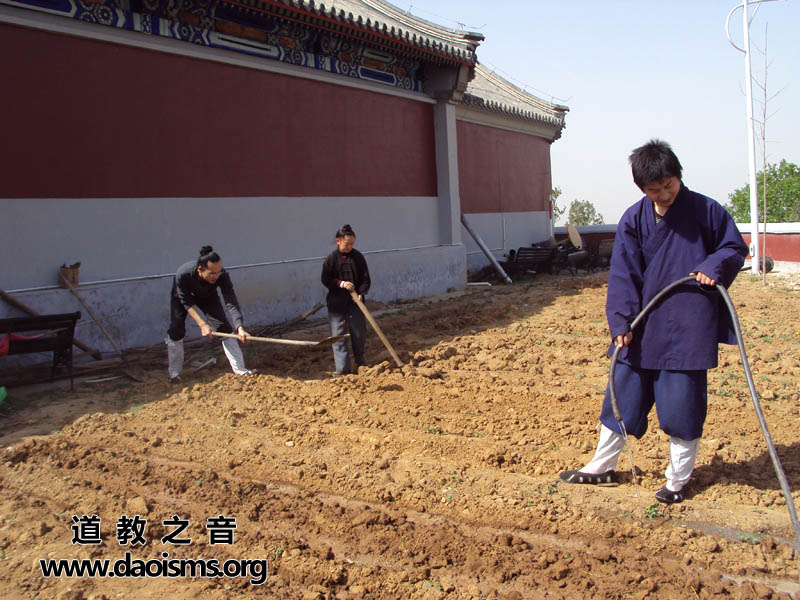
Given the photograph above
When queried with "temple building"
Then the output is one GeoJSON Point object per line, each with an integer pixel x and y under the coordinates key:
{"type": "Point", "coordinates": [137, 131]}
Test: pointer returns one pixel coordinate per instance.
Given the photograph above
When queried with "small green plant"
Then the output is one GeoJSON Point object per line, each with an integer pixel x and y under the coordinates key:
{"type": "Point", "coordinates": [277, 552]}
{"type": "Point", "coordinates": [653, 511]}
{"type": "Point", "coordinates": [750, 538]}
{"type": "Point", "coordinates": [433, 583]}
{"type": "Point", "coordinates": [432, 429]}
{"type": "Point", "coordinates": [135, 409]}
{"type": "Point", "coordinates": [552, 488]}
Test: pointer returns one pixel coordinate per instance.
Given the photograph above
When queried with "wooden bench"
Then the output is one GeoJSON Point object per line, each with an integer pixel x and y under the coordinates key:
{"type": "Point", "coordinates": [531, 258]}
{"type": "Point", "coordinates": [53, 333]}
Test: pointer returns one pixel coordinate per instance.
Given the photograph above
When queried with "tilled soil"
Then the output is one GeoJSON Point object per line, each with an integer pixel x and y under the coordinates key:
{"type": "Point", "coordinates": [435, 480]}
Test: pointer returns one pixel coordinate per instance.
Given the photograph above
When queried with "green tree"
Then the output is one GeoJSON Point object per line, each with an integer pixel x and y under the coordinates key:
{"type": "Point", "coordinates": [783, 195]}
{"type": "Point", "coordinates": [558, 211]}
{"type": "Point", "coordinates": [583, 212]}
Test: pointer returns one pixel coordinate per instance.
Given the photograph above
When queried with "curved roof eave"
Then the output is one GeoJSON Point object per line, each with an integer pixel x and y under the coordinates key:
{"type": "Point", "coordinates": [490, 92]}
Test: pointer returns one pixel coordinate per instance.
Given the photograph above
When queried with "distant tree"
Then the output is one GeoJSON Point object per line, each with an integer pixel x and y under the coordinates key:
{"type": "Point", "coordinates": [558, 211]}
{"type": "Point", "coordinates": [583, 212]}
{"type": "Point", "coordinates": [783, 196]}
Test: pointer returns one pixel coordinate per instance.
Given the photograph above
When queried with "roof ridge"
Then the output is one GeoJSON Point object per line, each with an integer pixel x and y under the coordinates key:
{"type": "Point", "coordinates": [513, 90]}
{"type": "Point", "coordinates": [416, 22]}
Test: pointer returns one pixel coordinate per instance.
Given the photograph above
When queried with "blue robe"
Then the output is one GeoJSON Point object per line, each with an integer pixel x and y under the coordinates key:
{"type": "Point", "coordinates": [682, 332]}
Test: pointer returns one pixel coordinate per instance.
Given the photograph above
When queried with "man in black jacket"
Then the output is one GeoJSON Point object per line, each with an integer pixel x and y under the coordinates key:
{"type": "Point", "coordinates": [194, 289]}
{"type": "Point", "coordinates": [345, 270]}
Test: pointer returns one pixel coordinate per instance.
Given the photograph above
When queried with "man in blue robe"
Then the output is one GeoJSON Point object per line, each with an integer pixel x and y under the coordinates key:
{"type": "Point", "coordinates": [670, 233]}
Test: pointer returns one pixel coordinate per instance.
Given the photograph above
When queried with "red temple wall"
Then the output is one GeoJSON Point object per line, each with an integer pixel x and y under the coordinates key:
{"type": "Point", "coordinates": [86, 118]}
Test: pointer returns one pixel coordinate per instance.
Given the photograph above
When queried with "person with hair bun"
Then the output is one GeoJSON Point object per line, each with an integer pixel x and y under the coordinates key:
{"type": "Point", "coordinates": [345, 270]}
{"type": "Point", "coordinates": [194, 289]}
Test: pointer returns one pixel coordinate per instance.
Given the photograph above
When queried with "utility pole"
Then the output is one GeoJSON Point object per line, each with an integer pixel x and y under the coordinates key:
{"type": "Point", "coordinates": [755, 251]}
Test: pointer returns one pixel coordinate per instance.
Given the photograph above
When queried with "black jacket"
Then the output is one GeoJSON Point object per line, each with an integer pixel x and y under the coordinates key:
{"type": "Point", "coordinates": [193, 291]}
{"type": "Point", "coordinates": [344, 267]}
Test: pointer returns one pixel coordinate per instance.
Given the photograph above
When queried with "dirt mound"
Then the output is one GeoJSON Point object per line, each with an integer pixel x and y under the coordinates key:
{"type": "Point", "coordinates": [435, 480]}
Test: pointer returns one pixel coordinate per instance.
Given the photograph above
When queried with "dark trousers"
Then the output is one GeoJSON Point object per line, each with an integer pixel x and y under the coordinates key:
{"type": "Point", "coordinates": [350, 321]}
{"type": "Point", "coordinates": [212, 309]}
{"type": "Point", "coordinates": [680, 397]}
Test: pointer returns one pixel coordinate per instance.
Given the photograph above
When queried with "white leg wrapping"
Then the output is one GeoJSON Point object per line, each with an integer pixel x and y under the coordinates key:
{"type": "Point", "coordinates": [682, 456]}
{"type": "Point", "coordinates": [234, 354]}
{"type": "Point", "coordinates": [175, 356]}
{"type": "Point", "coordinates": [605, 457]}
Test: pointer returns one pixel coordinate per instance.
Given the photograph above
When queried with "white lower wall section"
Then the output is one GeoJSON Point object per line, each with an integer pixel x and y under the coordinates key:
{"type": "Point", "coordinates": [136, 313]}
{"type": "Point", "coordinates": [118, 238]}
{"type": "Point", "coordinates": [129, 250]}
{"type": "Point", "coordinates": [502, 232]}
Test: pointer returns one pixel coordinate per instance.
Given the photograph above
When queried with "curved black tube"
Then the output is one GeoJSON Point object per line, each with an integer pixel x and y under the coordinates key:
{"type": "Point", "coordinates": [787, 493]}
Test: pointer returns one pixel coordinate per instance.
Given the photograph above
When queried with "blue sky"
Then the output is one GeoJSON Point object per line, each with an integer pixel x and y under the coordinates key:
{"type": "Point", "coordinates": [630, 70]}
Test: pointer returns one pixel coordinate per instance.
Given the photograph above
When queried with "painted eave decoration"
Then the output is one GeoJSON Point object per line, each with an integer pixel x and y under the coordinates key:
{"type": "Point", "coordinates": [382, 23]}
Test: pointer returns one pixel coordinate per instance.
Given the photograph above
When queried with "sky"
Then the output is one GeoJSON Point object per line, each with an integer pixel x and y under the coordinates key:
{"type": "Point", "coordinates": [632, 70]}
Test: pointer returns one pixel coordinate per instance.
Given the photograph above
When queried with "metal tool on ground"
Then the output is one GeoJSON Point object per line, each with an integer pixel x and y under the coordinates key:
{"type": "Point", "coordinates": [377, 329]}
{"type": "Point", "coordinates": [776, 462]}
{"type": "Point", "coordinates": [91, 314]}
{"type": "Point", "coordinates": [326, 342]}
{"type": "Point", "coordinates": [211, 361]}
{"type": "Point", "coordinates": [30, 312]}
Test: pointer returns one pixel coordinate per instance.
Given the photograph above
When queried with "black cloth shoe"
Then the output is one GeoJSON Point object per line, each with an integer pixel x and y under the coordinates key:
{"type": "Point", "coordinates": [576, 476]}
{"type": "Point", "coordinates": [668, 496]}
{"type": "Point", "coordinates": [175, 380]}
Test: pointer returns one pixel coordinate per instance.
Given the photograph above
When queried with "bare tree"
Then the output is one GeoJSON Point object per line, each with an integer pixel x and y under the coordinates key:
{"type": "Point", "coordinates": [762, 142]}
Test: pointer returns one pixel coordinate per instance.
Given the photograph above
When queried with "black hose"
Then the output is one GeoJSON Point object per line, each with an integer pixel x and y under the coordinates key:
{"type": "Point", "coordinates": [787, 493]}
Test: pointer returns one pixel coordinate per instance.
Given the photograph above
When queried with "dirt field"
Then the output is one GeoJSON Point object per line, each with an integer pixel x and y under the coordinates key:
{"type": "Point", "coordinates": [431, 481]}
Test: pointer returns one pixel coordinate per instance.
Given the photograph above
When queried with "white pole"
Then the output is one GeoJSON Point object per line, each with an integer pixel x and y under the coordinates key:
{"type": "Point", "coordinates": [751, 144]}
{"type": "Point", "coordinates": [755, 251]}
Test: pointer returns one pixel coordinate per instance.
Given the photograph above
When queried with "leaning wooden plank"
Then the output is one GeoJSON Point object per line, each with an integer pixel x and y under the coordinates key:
{"type": "Point", "coordinates": [72, 289]}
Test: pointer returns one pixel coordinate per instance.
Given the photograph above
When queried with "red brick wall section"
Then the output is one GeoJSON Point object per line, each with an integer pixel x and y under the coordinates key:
{"type": "Point", "coordinates": [780, 246]}
{"type": "Point", "coordinates": [84, 118]}
{"type": "Point", "coordinates": [502, 171]}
